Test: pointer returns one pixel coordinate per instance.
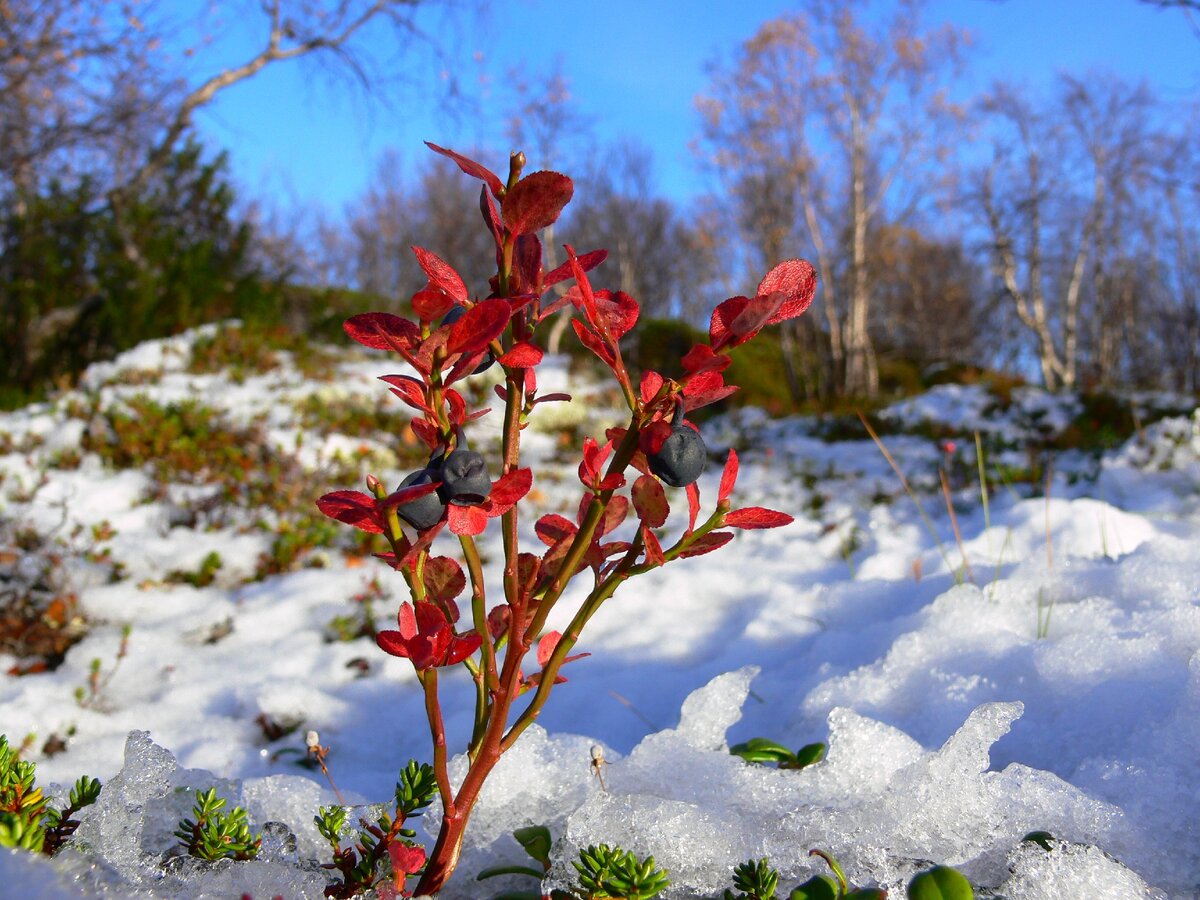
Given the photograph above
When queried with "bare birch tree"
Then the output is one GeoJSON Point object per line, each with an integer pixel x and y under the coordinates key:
{"type": "Point", "coordinates": [1060, 201]}
{"type": "Point", "coordinates": [826, 124]}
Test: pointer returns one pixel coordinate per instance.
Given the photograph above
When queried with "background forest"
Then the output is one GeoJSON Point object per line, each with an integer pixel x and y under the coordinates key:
{"type": "Point", "coordinates": [1045, 234]}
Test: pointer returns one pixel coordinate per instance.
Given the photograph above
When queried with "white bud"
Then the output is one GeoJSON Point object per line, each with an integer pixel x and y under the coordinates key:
{"type": "Point", "coordinates": [312, 740]}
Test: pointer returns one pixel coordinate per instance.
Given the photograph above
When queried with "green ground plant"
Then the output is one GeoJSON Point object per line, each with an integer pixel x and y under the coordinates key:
{"type": "Point", "coordinates": [213, 834]}
{"type": "Point", "coordinates": [27, 820]}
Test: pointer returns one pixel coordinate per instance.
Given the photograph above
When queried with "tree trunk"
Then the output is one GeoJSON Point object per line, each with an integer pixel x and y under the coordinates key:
{"type": "Point", "coordinates": [862, 372]}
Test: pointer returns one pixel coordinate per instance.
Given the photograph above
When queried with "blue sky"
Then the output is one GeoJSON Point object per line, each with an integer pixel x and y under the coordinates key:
{"type": "Point", "coordinates": [634, 67]}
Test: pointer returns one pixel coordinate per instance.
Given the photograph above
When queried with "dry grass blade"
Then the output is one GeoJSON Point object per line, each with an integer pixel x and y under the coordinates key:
{"type": "Point", "coordinates": [911, 493]}
{"type": "Point", "coordinates": [962, 550]}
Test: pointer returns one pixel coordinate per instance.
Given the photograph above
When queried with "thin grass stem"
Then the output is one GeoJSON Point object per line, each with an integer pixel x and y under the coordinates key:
{"type": "Point", "coordinates": [911, 493]}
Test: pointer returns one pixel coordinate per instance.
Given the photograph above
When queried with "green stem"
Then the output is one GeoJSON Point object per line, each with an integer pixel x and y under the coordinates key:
{"type": "Point", "coordinates": [396, 539]}
{"type": "Point", "coordinates": [587, 531]}
{"type": "Point", "coordinates": [480, 725]}
{"type": "Point", "coordinates": [601, 592]}
{"type": "Point", "coordinates": [479, 611]}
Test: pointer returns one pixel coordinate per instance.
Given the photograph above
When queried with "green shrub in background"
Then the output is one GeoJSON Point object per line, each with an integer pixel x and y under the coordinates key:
{"type": "Point", "coordinates": [80, 283]}
{"type": "Point", "coordinates": [757, 366]}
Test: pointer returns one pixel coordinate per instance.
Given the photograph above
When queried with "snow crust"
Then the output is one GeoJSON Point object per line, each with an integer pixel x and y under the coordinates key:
{"type": "Point", "coordinates": [1055, 686]}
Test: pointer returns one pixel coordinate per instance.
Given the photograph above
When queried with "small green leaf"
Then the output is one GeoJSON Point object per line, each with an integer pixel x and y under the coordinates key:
{"type": "Point", "coordinates": [1043, 839]}
{"type": "Point", "coordinates": [755, 879]}
{"type": "Point", "coordinates": [536, 841]}
{"type": "Point", "coordinates": [808, 755]}
{"type": "Point", "coordinates": [495, 871]}
{"type": "Point", "coordinates": [819, 887]}
{"type": "Point", "coordinates": [940, 883]}
{"type": "Point", "coordinates": [762, 750]}
{"type": "Point", "coordinates": [761, 756]}
{"type": "Point", "coordinates": [867, 894]}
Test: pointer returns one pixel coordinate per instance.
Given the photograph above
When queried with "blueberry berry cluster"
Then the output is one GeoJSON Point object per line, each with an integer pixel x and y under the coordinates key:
{"type": "Point", "coordinates": [463, 480]}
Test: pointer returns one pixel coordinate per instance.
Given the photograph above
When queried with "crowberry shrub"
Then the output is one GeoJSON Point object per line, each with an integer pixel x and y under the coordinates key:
{"type": "Point", "coordinates": [453, 335]}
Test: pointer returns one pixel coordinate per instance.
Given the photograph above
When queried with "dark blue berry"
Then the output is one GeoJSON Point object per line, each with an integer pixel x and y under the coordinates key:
{"type": "Point", "coordinates": [424, 512]}
{"type": "Point", "coordinates": [464, 478]}
{"type": "Point", "coordinates": [681, 458]}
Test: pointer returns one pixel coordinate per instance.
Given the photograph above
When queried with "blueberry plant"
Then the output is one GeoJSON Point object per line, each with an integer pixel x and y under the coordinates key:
{"type": "Point", "coordinates": [453, 335]}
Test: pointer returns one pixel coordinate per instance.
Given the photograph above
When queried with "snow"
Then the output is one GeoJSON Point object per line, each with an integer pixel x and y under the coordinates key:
{"type": "Point", "coordinates": [1052, 683]}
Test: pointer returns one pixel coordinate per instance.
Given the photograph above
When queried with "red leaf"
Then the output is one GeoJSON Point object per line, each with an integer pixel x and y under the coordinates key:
{"type": "Point", "coordinates": [611, 482]}
{"type": "Point", "coordinates": [498, 621]}
{"type": "Point", "coordinates": [382, 331]}
{"type": "Point", "coordinates": [430, 304]}
{"type": "Point", "coordinates": [457, 412]}
{"type": "Point", "coordinates": [756, 313]}
{"type": "Point", "coordinates": [587, 262]}
{"type": "Point", "coordinates": [701, 359]}
{"type": "Point", "coordinates": [703, 382]}
{"type": "Point", "coordinates": [427, 432]}
{"type": "Point", "coordinates": [550, 398]}
{"type": "Point", "coordinates": [404, 495]}
{"type": "Point", "coordinates": [491, 217]}
{"type": "Point", "coordinates": [554, 528]}
{"type": "Point", "coordinates": [422, 356]}
{"type": "Point", "coordinates": [719, 333]}
{"type": "Point", "coordinates": [545, 647]}
{"type": "Point", "coordinates": [393, 643]}
{"type": "Point", "coordinates": [651, 382]}
{"type": "Point", "coordinates": [650, 501]}
{"type": "Point", "coordinates": [501, 392]}
{"type": "Point", "coordinates": [461, 647]}
{"type": "Point", "coordinates": [529, 567]}
{"type": "Point", "coordinates": [408, 389]}
{"type": "Point", "coordinates": [570, 295]}
{"type": "Point", "coordinates": [693, 495]}
{"type": "Point", "coordinates": [406, 859]}
{"type": "Point", "coordinates": [479, 326]}
{"type": "Point", "coordinates": [535, 201]}
{"type": "Point", "coordinates": [618, 313]}
{"type": "Point", "coordinates": [756, 517]}
{"type": "Point", "coordinates": [353, 508]}
{"type": "Point", "coordinates": [707, 543]}
{"type": "Point", "coordinates": [654, 551]}
{"type": "Point", "coordinates": [523, 355]}
{"type": "Point", "coordinates": [614, 514]}
{"type": "Point", "coordinates": [593, 343]}
{"type": "Point", "coordinates": [441, 274]}
{"type": "Point", "coordinates": [553, 559]}
{"type": "Point", "coordinates": [527, 260]}
{"type": "Point", "coordinates": [444, 579]}
{"type": "Point", "coordinates": [729, 476]}
{"type": "Point", "coordinates": [796, 279]}
{"type": "Point", "coordinates": [595, 453]}
{"type": "Point", "coordinates": [466, 365]}
{"type": "Point", "coordinates": [406, 619]}
{"type": "Point", "coordinates": [586, 299]}
{"type": "Point", "coordinates": [653, 436]}
{"type": "Point", "coordinates": [704, 388]}
{"type": "Point", "coordinates": [466, 519]}
{"type": "Point", "coordinates": [422, 543]}
{"type": "Point", "coordinates": [472, 168]}
{"type": "Point", "coordinates": [508, 489]}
